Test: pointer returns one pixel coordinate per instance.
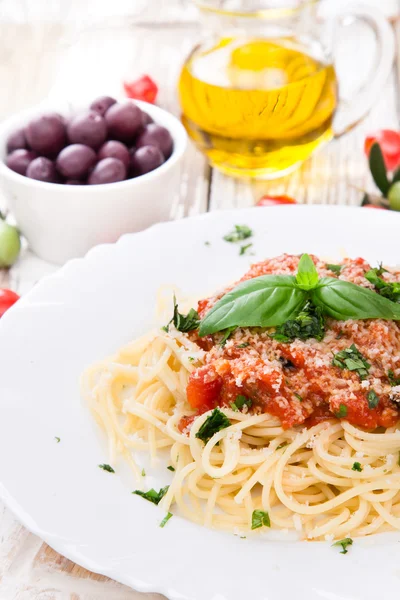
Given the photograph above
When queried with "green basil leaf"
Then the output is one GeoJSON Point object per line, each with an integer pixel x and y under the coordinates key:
{"type": "Point", "coordinates": [266, 301]}
{"type": "Point", "coordinates": [373, 399]}
{"type": "Point", "coordinates": [260, 518]}
{"type": "Point", "coordinates": [378, 169]}
{"type": "Point", "coordinates": [309, 323]}
{"type": "Point", "coordinates": [214, 423]}
{"type": "Point", "coordinates": [390, 290]}
{"type": "Point", "coordinates": [334, 268]}
{"type": "Point", "coordinates": [307, 275]}
{"type": "Point", "coordinates": [344, 543]}
{"type": "Point", "coordinates": [396, 176]}
{"type": "Point", "coordinates": [343, 300]}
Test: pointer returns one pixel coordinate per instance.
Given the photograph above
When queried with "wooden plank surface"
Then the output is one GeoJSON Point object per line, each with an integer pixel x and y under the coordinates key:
{"type": "Point", "coordinates": [83, 47]}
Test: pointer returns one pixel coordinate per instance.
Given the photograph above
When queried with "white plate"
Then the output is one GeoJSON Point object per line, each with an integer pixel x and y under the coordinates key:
{"type": "Point", "coordinates": [86, 311]}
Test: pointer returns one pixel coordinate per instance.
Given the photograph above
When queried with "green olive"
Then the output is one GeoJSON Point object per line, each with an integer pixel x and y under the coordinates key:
{"type": "Point", "coordinates": [10, 244]}
{"type": "Point", "coordinates": [394, 196]}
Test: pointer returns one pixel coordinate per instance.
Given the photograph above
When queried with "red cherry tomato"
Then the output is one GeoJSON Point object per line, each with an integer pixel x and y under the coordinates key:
{"type": "Point", "coordinates": [275, 200]}
{"type": "Point", "coordinates": [7, 299]}
{"type": "Point", "coordinates": [389, 142]}
{"type": "Point", "coordinates": [143, 88]}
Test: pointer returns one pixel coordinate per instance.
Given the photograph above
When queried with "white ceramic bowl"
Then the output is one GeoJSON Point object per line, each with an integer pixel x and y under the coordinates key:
{"type": "Point", "coordinates": [64, 221]}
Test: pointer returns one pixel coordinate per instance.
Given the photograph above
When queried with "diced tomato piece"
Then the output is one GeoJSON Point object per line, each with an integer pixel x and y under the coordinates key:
{"type": "Point", "coordinates": [359, 414]}
{"type": "Point", "coordinates": [7, 299]}
{"type": "Point", "coordinates": [204, 389]}
{"type": "Point", "coordinates": [275, 200]}
{"type": "Point", "coordinates": [143, 88]}
{"type": "Point", "coordinates": [185, 422]}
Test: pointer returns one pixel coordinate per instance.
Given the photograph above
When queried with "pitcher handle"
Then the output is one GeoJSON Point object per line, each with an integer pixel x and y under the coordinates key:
{"type": "Point", "coordinates": [349, 114]}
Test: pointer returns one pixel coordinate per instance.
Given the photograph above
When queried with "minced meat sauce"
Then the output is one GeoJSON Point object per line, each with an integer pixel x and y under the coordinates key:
{"type": "Point", "coordinates": [297, 381]}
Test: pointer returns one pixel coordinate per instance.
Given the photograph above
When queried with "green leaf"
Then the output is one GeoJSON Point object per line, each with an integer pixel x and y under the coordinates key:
{"type": "Point", "coordinates": [166, 519]}
{"type": "Point", "coordinates": [227, 334]}
{"type": "Point", "coordinates": [392, 379]}
{"type": "Point", "coordinates": [214, 423]}
{"type": "Point", "coordinates": [307, 275]}
{"type": "Point", "coordinates": [342, 412]}
{"type": "Point", "coordinates": [337, 269]}
{"type": "Point", "coordinates": [58, 440]}
{"type": "Point", "coordinates": [344, 543]}
{"type": "Point", "coordinates": [244, 345]}
{"type": "Point", "coordinates": [396, 176]}
{"type": "Point", "coordinates": [183, 323]}
{"type": "Point", "coordinates": [239, 233]}
{"type": "Point", "coordinates": [243, 249]}
{"type": "Point", "coordinates": [264, 301]}
{"type": "Point", "coordinates": [152, 495]}
{"type": "Point", "coordinates": [378, 169]}
{"type": "Point", "coordinates": [171, 468]}
{"type": "Point", "coordinates": [390, 290]}
{"type": "Point", "coordinates": [107, 468]}
{"type": "Point", "coordinates": [260, 518]}
{"type": "Point", "coordinates": [352, 359]}
{"type": "Point", "coordinates": [343, 300]}
{"type": "Point", "coordinates": [373, 399]}
{"type": "Point", "coordinates": [240, 402]}
{"type": "Point", "coordinates": [308, 324]}
{"type": "Point", "coordinates": [356, 467]}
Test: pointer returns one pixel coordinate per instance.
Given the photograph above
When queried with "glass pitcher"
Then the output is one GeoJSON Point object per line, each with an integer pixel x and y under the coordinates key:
{"type": "Point", "coordinates": [260, 93]}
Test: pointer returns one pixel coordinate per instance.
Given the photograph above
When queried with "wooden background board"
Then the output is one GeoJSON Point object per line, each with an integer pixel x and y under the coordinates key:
{"type": "Point", "coordinates": [80, 48]}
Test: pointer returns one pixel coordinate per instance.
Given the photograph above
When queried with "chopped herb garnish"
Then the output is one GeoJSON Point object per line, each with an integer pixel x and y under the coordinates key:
{"type": "Point", "coordinates": [183, 323]}
{"type": "Point", "coordinates": [334, 268]}
{"type": "Point", "coordinates": [240, 402]}
{"type": "Point", "coordinates": [244, 345]}
{"type": "Point", "coordinates": [58, 440]}
{"type": "Point", "coordinates": [384, 288]}
{"type": "Point", "coordinates": [342, 412]}
{"type": "Point", "coordinates": [283, 445]}
{"type": "Point", "coordinates": [107, 468]}
{"type": "Point", "coordinates": [344, 543]}
{"type": "Point", "coordinates": [260, 518]}
{"type": "Point", "coordinates": [152, 495]}
{"type": "Point", "coordinates": [227, 334]}
{"type": "Point", "coordinates": [298, 397]}
{"type": "Point", "coordinates": [357, 467]}
{"type": "Point", "coordinates": [352, 359]}
{"type": "Point", "coordinates": [239, 233]}
{"type": "Point", "coordinates": [214, 423]}
{"type": "Point", "coordinates": [191, 359]}
{"type": "Point", "coordinates": [392, 379]}
{"type": "Point", "coordinates": [340, 335]}
{"type": "Point", "coordinates": [309, 323]}
{"type": "Point", "coordinates": [243, 249]}
{"type": "Point", "coordinates": [373, 399]}
{"type": "Point", "coordinates": [207, 244]}
{"type": "Point", "coordinates": [166, 519]}
{"type": "Point", "coordinates": [171, 468]}
{"type": "Point", "coordinates": [143, 473]}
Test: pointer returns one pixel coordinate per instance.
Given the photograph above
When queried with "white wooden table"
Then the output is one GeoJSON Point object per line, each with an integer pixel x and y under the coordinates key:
{"type": "Point", "coordinates": [80, 48]}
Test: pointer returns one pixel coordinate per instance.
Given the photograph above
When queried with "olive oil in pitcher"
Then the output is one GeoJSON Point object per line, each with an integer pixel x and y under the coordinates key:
{"type": "Point", "coordinates": [257, 107]}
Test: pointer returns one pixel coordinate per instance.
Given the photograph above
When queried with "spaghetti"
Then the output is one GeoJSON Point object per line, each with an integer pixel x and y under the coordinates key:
{"type": "Point", "coordinates": [324, 478]}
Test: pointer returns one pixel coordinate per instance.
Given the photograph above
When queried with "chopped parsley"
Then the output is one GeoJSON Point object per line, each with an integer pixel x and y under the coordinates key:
{"type": "Point", "coordinates": [107, 468]}
{"type": "Point", "coordinates": [352, 359]}
{"type": "Point", "coordinates": [166, 519]}
{"type": "Point", "coordinates": [384, 288]}
{"type": "Point", "coordinates": [243, 249]}
{"type": "Point", "coordinates": [240, 402]}
{"type": "Point", "coordinates": [342, 412]}
{"type": "Point", "coordinates": [260, 518]}
{"type": "Point", "coordinates": [344, 543]}
{"type": "Point", "coordinates": [238, 234]}
{"type": "Point", "coordinates": [298, 397]}
{"type": "Point", "coordinates": [207, 244]}
{"type": "Point", "coordinates": [191, 359]}
{"type": "Point", "coordinates": [58, 440]}
{"type": "Point", "coordinates": [356, 467]}
{"type": "Point", "coordinates": [227, 334]}
{"type": "Point", "coordinates": [152, 495]}
{"type": "Point", "coordinates": [171, 468]}
{"type": "Point", "coordinates": [373, 399]}
{"type": "Point", "coordinates": [143, 473]}
{"type": "Point", "coordinates": [283, 445]}
{"type": "Point", "coordinates": [309, 323]}
{"type": "Point", "coordinates": [334, 268]}
{"type": "Point", "coordinates": [183, 323]}
{"type": "Point", "coordinates": [214, 423]}
{"type": "Point", "coordinates": [340, 335]}
{"type": "Point", "coordinates": [244, 345]}
{"type": "Point", "coordinates": [392, 379]}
